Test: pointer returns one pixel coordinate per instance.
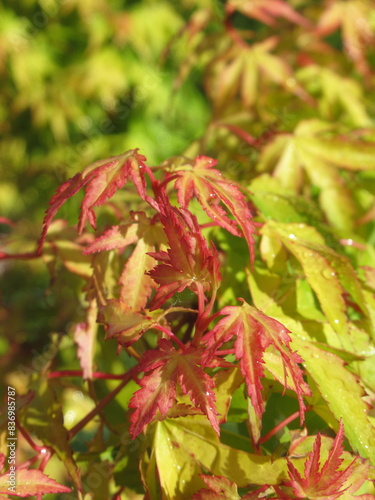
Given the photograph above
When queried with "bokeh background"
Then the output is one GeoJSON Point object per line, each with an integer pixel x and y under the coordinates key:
{"type": "Point", "coordinates": [80, 81]}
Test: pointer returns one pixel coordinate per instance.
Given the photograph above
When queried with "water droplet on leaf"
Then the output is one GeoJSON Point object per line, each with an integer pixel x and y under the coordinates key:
{"type": "Point", "coordinates": [328, 273]}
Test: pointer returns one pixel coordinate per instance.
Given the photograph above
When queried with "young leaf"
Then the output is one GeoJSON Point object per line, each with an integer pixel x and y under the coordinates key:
{"type": "Point", "coordinates": [219, 488]}
{"type": "Point", "coordinates": [330, 274]}
{"type": "Point", "coordinates": [267, 10]}
{"type": "Point", "coordinates": [198, 178]}
{"type": "Point", "coordinates": [357, 31]}
{"type": "Point", "coordinates": [188, 263]}
{"type": "Point", "coordinates": [168, 367]}
{"type": "Point", "coordinates": [255, 332]}
{"type": "Point", "coordinates": [44, 417]}
{"type": "Point", "coordinates": [85, 338]}
{"type": "Point", "coordinates": [327, 481]}
{"type": "Point", "coordinates": [244, 70]}
{"type": "Point", "coordinates": [101, 180]}
{"type": "Point", "coordinates": [124, 323]}
{"type": "Point", "coordinates": [344, 395]}
{"type": "Point", "coordinates": [191, 441]}
{"type": "Point", "coordinates": [29, 482]}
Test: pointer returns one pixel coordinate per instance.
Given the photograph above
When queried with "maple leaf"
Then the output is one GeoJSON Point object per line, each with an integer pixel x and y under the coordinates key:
{"type": "Point", "coordinates": [353, 17]}
{"type": "Point", "coordinates": [328, 481]}
{"type": "Point", "coordinates": [266, 10]}
{"type": "Point", "coordinates": [255, 332]}
{"type": "Point", "coordinates": [29, 482]}
{"type": "Point", "coordinates": [188, 263]}
{"type": "Point", "coordinates": [198, 178]}
{"type": "Point", "coordinates": [219, 488]}
{"type": "Point", "coordinates": [168, 368]}
{"type": "Point", "coordinates": [85, 337]}
{"type": "Point", "coordinates": [315, 149]}
{"type": "Point", "coordinates": [146, 234]}
{"type": "Point", "coordinates": [101, 180]}
{"type": "Point", "coordinates": [124, 323]}
{"type": "Point", "coordinates": [242, 71]}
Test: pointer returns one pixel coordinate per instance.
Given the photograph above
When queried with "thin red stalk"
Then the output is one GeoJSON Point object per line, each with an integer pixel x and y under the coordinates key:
{"type": "Point", "coordinates": [223, 352]}
{"type": "Point", "coordinates": [167, 181]}
{"type": "Point", "coordinates": [79, 373]}
{"type": "Point", "coordinates": [108, 398]}
{"type": "Point", "coordinates": [27, 255]}
{"type": "Point", "coordinates": [278, 427]}
{"type": "Point", "coordinates": [150, 174]}
{"type": "Point", "coordinates": [45, 461]}
{"type": "Point", "coordinates": [200, 323]}
{"type": "Point", "coordinates": [24, 433]}
{"type": "Point", "coordinates": [170, 335]}
{"type": "Point", "coordinates": [240, 132]}
{"type": "Point", "coordinates": [233, 33]}
{"type": "Point", "coordinates": [30, 461]}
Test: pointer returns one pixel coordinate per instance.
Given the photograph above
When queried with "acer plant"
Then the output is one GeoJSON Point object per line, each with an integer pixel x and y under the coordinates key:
{"type": "Point", "coordinates": [218, 306]}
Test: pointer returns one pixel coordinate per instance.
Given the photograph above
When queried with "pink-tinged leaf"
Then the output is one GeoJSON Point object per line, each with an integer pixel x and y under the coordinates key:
{"type": "Point", "coordinates": [157, 395]}
{"type": "Point", "coordinates": [255, 332]}
{"type": "Point", "coordinates": [124, 323]}
{"type": "Point", "coordinates": [188, 262]}
{"type": "Point", "coordinates": [354, 19]}
{"type": "Point", "coordinates": [219, 488]}
{"type": "Point", "coordinates": [326, 481]}
{"type": "Point", "coordinates": [115, 237]}
{"type": "Point", "coordinates": [29, 483]}
{"type": "Point", "coordinates": [267, 10]}
{"type": "Point", "coordinates": [199, 179]}
{"type": "Point", "coordinates": [85, 338]}
{"type": "Point", "coordinates": [101, 180]}
{"type": "Point", "coordinates": [136, 284]}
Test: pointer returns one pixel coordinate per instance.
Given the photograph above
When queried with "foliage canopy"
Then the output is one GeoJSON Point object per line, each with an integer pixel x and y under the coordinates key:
{"type": "Point", "coordinates": [203, 304]}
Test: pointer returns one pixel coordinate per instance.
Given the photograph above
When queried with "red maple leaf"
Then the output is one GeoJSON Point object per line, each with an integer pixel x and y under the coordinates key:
{"type": "Point", "coordinates": [255, 332]}
{"type": "Point", "coordinates": [199, 179]}
{"type": "Point", "coordinates": [189, 262]}
{"type": "Point", "coordinates": [29, 482]}
{"type": "Point", "coordinates": [328, 481]}
{"type": "Point", "coordinates": [165, 368]}
{"type": "Point", "coordinates": [101, 180]}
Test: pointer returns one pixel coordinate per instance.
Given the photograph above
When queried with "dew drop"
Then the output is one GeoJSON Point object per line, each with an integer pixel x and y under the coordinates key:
{"type": "Point", "coordinates": [292, 236]}
{"type": "Point", "coordinates": [328, 274]}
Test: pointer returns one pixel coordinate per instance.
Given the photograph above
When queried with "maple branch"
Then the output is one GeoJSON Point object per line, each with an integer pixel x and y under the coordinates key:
{"type": "Point", "coordinates": [108, 398]}
{"type": "Point", "coordinates": [79, 373]}
{"type": "Point", "coordinates": [171, 335]}
{"type": "Point", "coordinates": [27, 255]}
